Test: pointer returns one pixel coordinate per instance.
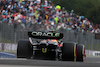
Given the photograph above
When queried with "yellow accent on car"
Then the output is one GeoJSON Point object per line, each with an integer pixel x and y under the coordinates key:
{"type": "Point", "coordinates": [83, 51]}
{"type": "Point", "coordinates": [44, 50]}
{"type": "Point", "coordinates": [74, 52]}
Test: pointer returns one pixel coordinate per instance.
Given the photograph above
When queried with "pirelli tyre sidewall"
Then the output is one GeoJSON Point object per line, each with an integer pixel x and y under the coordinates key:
{"type": "Point", "coordinates": [69, 52]}
{"type": "Point", "coordinates": [24, 49]}
{"type": "Point", "coordinates": [80, 53]}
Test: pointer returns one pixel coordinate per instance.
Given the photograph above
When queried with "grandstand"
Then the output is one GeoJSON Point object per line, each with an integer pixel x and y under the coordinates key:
{"type": "Point", "coordinates": [30, 14]}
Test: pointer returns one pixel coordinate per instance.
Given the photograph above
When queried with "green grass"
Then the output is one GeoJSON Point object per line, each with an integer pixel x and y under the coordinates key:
{"type": "Point", "coordinates": [8, 51]}
{"type": "Point", "coordinates": [8, 41]}
{"type": "Point", "coordinates": [91, 56]}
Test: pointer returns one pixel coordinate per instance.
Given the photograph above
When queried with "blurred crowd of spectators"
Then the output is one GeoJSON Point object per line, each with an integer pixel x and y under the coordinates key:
{"type": "Point", "coordinates": [43, 15]}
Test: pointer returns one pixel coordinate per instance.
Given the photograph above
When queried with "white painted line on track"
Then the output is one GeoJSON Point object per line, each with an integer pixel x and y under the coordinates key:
{"type": "Point", "coordinates": [92, 62]}
{"type": "Point", "coordinates": [96, 62]}
{"type": "Point", "coordinates": [23, 66]}
{"type": "Point", "coordinates": [12, 59]}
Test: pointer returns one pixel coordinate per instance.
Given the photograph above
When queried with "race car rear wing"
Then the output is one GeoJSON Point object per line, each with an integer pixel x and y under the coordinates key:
{"type": "Point", "coordinates": [44, 35]}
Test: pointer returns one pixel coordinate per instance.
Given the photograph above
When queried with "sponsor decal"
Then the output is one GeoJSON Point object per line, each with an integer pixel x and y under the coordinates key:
{"type": "Point", "coordinates": [44, 50]}
{"type": "Point", "coordinates": [8, 47]}
{"type": "Point", "coordinates": [96, 53]}
{"type": "Point", "coordinates": [45, 34]}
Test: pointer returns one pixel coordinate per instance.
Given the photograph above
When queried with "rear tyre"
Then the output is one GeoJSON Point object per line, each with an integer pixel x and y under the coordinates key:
{"type": "Point", "coordinates": [80, 53]}
{"type": "Point", "coordinates": [69, 52]}
{"type": "Point", "coordinates": [24, 49]}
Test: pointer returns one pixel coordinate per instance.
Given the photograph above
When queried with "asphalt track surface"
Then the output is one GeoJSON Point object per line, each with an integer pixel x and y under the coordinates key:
{"type": "Point", "coordinates": [90, 62]}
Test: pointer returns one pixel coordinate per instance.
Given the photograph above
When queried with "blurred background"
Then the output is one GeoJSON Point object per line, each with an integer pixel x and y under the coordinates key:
{"type": "Point", "coordinates": [17, 17]}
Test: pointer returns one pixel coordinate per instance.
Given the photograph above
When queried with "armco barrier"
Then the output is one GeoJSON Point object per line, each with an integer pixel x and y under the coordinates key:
{"type": "Point", "coordinates": [92, 53]}
{"type": "Point", "coordinates": [96, 53]}
{"type": "Point", "coordinates": [89, 52]}
{"type": "Point", "coordinates": [8, 46]}
{"type": "Point", "coordinates": [6, 55]}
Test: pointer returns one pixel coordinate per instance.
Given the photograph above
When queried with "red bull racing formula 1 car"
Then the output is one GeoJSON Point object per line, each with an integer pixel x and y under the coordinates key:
{"type": "Point", "coordinates": [50, 46]}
